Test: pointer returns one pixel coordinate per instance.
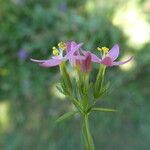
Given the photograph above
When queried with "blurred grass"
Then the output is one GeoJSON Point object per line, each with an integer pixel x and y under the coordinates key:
{"type": "Point", "coordinates": [29, 103]}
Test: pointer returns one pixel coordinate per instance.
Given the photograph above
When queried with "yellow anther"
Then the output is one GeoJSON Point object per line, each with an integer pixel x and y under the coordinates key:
{"type": "Point", "coordinates": [99, 49]}
{"type": "Point", "coordinates": [62, 45]}
{"type": "Point", "coordinates": [105, 49]}
{"type": "Point", "coordinates": [55, 51]}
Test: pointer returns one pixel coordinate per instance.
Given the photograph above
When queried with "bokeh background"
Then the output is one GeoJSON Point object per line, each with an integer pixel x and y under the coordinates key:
{"type": "Point", "coordinates": [29, 101]}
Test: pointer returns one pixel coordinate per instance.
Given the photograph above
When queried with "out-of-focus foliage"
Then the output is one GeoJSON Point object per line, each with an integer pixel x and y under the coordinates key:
{"type": "Point", "coordinates": [29, 101]}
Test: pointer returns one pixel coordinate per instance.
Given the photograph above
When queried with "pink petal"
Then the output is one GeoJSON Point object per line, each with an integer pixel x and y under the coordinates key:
{"type": "Point", "coordinates": [68, 46]}
{"type": "Point", "coordinates": [57, 57]}
{"type": "Point", "coordinates": [79, 57]}
{"type": "Point", "coordinates": [38, 61]}
{"type": "Point", "coordinates": [114, 52]}
{"type": "Point", "coordinates": [73, 44]}
{"type": "Point", "coordinates": [50, 63]}
{"type": "Point", "coordinates": [73, 50]}
{"type": "Point", "coordinates": [122, 62]}
{"type": "Point", "coordinates": [107, 61]}
{"type": "Point", "coordinates": [94, 58]}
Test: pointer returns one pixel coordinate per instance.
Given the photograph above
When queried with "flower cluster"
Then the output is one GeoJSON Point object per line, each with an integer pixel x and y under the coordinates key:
{"type": "Point", "coordinates": [79, 57]}
{"type": "Point", "coordinates": [82, 92]}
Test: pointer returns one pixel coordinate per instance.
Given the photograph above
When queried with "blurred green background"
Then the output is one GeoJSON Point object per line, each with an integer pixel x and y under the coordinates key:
{"type": "Point", "coordinates": [29, 101]}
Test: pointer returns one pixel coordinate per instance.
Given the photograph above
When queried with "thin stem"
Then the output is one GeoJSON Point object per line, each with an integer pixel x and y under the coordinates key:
{"type": "Point", "coordinates": [103, 73]}
{"type": "Point", "coordinates": [100, 76]}
{"type": "Point", "coordinates": [89, 145]}
{"type": "Point", "coordinates": [83, 85]}
{"type": "Point", "coordinates": [99, 81]}
{"type": "Point", "coordinates": [85, 94]}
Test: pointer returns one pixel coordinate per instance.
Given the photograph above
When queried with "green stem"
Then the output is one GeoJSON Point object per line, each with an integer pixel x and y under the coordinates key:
{"type": "Point", "coordinates": [85, 94]}
{"type": "Point", "coordinates": [89, 145]}
{"type": "Point", "coordinates": [100, 76]}
{"type": "Point", "coordinates": [83, 85]}
{"type": "Point", "coordinates": [99, 80]}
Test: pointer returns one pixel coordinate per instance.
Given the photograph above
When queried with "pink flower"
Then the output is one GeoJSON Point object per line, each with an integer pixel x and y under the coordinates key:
{"type": "Point", "coordinates": [109, 57]}
{"type": "Point", "coordinates": [70, 47]}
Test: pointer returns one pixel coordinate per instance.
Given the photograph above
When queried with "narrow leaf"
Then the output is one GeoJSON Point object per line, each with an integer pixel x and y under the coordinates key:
{"type": "Point", "coordinates": [104, 109]}
{"type": "Point", "coordinates": [66, 116]}
{"type": "Point", "coordinates": [102, 92]}
{"type": "Point", "coordinates": [60, 89]}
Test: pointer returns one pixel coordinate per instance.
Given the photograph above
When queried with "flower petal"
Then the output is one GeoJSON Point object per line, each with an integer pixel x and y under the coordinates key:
{"type": "Point", "coordinates": [73, 50]}
{"type": "Point", "coordinates": [79, 57]}
{"type": "Point", "coordinates": [51, 63]}
{"type": "Point", "coordinates": [107, 61]}
{"type": "Point", "coordinates": [68, 46]}
{"type": "Point", "coordinates": [122, 62]}
{"type": "Point", "coordinates": [94, 58]}
{"type": "Point", "coordinates": [57, 57]}
{"type": "Point", "coordinates": [73, 44]}
{"type": "Point", "coordinates": [114, 52]}
{"type": "Point", "coordinates": [38, 61]}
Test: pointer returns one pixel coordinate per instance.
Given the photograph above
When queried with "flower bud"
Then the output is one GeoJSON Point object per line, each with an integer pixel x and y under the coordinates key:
{"type": "Point", "coordinates": [86, 64]}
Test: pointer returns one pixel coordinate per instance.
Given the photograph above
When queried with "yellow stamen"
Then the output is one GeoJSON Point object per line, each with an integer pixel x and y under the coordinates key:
{"type": "Point", "coordinates": [62, 45]}
{"type": "Point", "coordinates": [55, 51]}
{"type": "Point", "coordinates": [104, 49]}
{"type": "Point", "coordinates": [99, 49]}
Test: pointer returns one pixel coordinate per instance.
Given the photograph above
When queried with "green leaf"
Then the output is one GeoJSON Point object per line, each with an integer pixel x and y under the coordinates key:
{"type": "Point", "coordinates": [76, 103]}
{"type": "Point", "coordinates": [64, 87]}
{"type": "Point", "coordinates": [75, 89]}
{"type": "Point", "coordinates": [102, 92]}
{"type": "Point", "coordinates": [104, 109]}
{"type": "Point", "coordinates": [60, 89]}
{"type": "Point", "coordinates": [66, 116]}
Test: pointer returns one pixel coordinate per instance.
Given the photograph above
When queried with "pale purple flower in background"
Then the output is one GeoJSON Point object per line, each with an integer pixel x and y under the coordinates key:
{"type": "Point", "coordinates": [20, 2]}
{"type": "Point", "coordinates": [63, 7]}
{"type": "Point", "coordinates": [71, 48]}
{"type": "Point", "coordinates": [23, 54]}
{"type": "Point", "coordinates": [109, 59]}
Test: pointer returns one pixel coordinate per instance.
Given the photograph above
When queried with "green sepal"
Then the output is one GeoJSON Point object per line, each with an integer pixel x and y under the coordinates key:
{"type": "Point", "coordinates": [66, 116]}
{"type": "Point", "coordinates": [104, 109]}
